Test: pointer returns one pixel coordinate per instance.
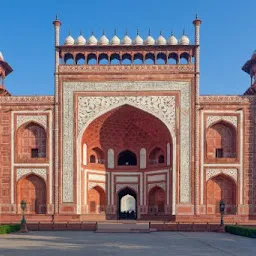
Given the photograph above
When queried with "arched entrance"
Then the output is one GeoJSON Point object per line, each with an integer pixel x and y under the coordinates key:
{"type": "Point", "coordinates": [32, 189]}
{"type": "Point", "coordinates": [127, 204]}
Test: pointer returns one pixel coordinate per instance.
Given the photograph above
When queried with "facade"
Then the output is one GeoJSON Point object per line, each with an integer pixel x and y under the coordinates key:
{"type": "Point", "coordinates": [127, 135]}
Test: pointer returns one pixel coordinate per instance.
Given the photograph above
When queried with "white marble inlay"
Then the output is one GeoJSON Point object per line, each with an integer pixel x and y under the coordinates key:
{"type": "Point", "coordinates": [126, 179]}
{"type": "Point", "coordinates": [97, 177]}
{"type": "Point", "coordinates": [156, 177]}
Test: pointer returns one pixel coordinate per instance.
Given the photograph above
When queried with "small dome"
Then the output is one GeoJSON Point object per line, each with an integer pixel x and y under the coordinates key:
{"type": "Point", "coordinates": [115, 40]}
{"type": "Point", "coordinates": [184, 39]}
{"type": "Point", "coordinates": [138, 40]}
{"type": "Point", "coordinates": [103, 40]}
{"type": "Point", "coordinates": [126, 40]}
{"type": "Point", "coordinates": [69, 40]}
{"type": "Point", "coordinates": [80, 40]}
{"type": "Point", "coordinates": [1, 57]}
{"type": "Point", "coordinates": [149, 40]}
{"type": "Point", "coordinates": [92, 40]}
{"type": "Point", "coordinates": [161, 40]}
{"type": "Point", "coordinates": [172, 40]}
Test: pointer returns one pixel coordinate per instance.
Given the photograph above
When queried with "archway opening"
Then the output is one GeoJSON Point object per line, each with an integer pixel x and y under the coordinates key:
{"type": "Point", "coordinates": [32, 189]}
{"type": "Point", "coordinates": [127, 204]}
{"type": "Point", "coordinates": [127, 158]}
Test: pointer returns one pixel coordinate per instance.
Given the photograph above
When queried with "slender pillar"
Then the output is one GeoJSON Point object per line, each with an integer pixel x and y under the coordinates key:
{"type": "Point", "coordinates": [57, 25]}
{"type": "Point", "coordinates": [197, 24]}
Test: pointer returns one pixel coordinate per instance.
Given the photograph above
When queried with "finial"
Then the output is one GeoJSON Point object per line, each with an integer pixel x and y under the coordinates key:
{"type": "Point", "coordinates": [160, 32]}
{"type": "Point", "coordinates": [137, 31]}
{"type": "Point", "coordinates": [171, 32]}
{"type": "Point", "coordinates": [92, 33]}
{"type": "Point", "coordinates": [196, 16]}
{"type": "Point", "coordinates": [81, 32]}
{"type": "Point", "coordinates": [126, 33]}
{"type": "Point", "coordinates": [115, 32]}
{"type": "Point", "coordinates": [69, 32]}
{"type": "Point", "coordinates": [149, 32]}
{"type": "Point", "coordinates": [103, 32]}
{"type": "Point", "coordinates": [56, 16]}
{"type": "Point", "coordinates": [183, 31]}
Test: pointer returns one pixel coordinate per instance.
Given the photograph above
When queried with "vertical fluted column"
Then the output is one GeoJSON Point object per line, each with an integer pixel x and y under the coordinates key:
{"type": "Point", "coordinates": [197, 24]}
{"type": "Point", "coordinates": [57, 25]}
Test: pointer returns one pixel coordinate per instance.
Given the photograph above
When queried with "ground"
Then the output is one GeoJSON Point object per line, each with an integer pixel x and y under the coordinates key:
{"type": "Point", "coordinates": [156, 243]}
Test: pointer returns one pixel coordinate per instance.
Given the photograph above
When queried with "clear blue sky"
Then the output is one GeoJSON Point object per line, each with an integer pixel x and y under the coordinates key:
{"type": "Point", "coordinates": [228, 35]}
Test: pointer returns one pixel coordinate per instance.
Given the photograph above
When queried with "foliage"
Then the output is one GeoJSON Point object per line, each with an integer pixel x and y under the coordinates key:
{"type": "Point", "coordinates": [5, 229]}
{"type": "Point", "coordinates": [241, 230]}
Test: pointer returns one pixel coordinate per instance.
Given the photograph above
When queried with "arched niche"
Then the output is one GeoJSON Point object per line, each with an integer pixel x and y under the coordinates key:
{"type": "Point", "coordinates": [31, 143]}
{"type": "Point", "coordinates": [96, 200]}
{"type": "Point", "coordinates": [221, 141]}
{"type": "Point", "coordinates": [126, 158]}
{"type": "Point", "coordinates": [32, 189]}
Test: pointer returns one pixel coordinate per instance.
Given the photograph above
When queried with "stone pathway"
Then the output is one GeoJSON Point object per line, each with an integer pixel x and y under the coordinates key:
{"type": "Point", "coordinates": [74, 243]}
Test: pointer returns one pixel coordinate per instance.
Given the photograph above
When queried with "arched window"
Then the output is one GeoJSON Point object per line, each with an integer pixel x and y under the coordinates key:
{"type": "Point", "coordinates": [150, 59]}
{"type": "Point", "coordinates": [221, 141]}
{"type": "Point", "coordinates": [184, 58]}
{"type": "Point", "coordinates": [138, 59]}
{"type": "Point", "coordinates": [69, 59]}
{"type": "Point", "coordinates": [115, 59]}
{"type": "Point", "coordinates": [92, 159]}
{"type": "Point", "coordinates": [155, 155]}
{"type": "Point", "coordinates": [103, 59]}
{"type": "Point", "coordinates": [173, 58]}
{"type": "Point", "coordinates": [161, 58]}
{"type": "Point", "coordinates": [127, 158]}
{"type": "Point", "coordinates": [100, 155]}
{"type": "Point", "coordinates": [126, 59]}
{"type": "Point", "coordinates": [92, 59]}
{"type": "Point", "coordinates": [31, 142]}
{"type": "Point", "coordinates": [80, 59]}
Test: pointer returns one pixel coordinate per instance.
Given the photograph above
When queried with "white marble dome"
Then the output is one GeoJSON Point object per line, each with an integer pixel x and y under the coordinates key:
{"type": "Point", "coordinates": [172, 40]}
{"type": "Point", "coordinates": [69, 40]}
{"type": "Point", "coordinates": [161, 40]}
{"type": "Point", "coordinates": [103, 40]}
{"type": "Point", "coordinates": [1, 57]}
{"type": "Point", "coordinates": [92, 40]}
{"type": "Point", "coordinates": [115, 40]}
{"type": "Point", "coordinates": [80, 40]}
{"type": "Point", "coordinates": [184, 40]}
{"type": "Point", "coordinates": [126, 40]}
{"type": "Point", "coordinates": [149, 40]}
{"type": "Point", "coordinates": [138, 40]}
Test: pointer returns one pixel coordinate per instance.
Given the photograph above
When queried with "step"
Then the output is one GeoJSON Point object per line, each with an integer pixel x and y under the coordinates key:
{"type": "Point", "coordinates": [131, 227]}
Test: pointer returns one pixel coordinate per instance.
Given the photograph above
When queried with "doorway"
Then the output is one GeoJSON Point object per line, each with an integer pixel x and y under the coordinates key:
{"type": "Point", "coordinates": [127, 204]}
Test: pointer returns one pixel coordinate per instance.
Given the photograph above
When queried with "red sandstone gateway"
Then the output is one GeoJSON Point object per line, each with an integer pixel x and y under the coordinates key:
{"type": "Point", "coordinates": [127, 136]}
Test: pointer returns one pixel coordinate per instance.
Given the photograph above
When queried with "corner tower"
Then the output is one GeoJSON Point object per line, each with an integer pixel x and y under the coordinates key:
{"type": "Point", "coordinates": [250, 68]}
{"type": "Point", "coordinates": [5, 70]}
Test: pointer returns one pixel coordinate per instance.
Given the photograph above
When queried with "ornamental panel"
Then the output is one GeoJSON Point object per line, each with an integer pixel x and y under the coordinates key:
{"type": "Point", "coordinates": [89, 108]}
{"type": "Point", "coordinates": [132, 186]}
{"type": "Point", "coordinates": [40, 119]}
{"type": "Point", "coordinates": [233, 173]}
{"type": "Point", "coordinates": [152, 185]}
{"type": "Point", "coordinates": [213, 119]}
{"type": "Point", "coordinates": [25, 171]}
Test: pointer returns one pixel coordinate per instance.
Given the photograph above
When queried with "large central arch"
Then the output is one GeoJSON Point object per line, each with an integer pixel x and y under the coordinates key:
{"type": "Point", "coordinates": [155, 134]}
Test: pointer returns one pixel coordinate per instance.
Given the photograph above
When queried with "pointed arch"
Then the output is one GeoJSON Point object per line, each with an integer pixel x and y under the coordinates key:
{"type": "Point", "coordinates": [31, 139]}
{"type": "Point", "coordinates": [32, 189]}
{"type": "Point", "coordinates": [156, 200]}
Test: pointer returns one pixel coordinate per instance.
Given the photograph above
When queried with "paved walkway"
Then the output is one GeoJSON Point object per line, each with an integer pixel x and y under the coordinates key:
{"type": "Point", "coordinates": [158, 243]}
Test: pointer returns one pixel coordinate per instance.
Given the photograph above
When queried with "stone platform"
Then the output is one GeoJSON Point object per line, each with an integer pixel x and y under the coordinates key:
{"type": "Point", "coordinates": [123, 227]}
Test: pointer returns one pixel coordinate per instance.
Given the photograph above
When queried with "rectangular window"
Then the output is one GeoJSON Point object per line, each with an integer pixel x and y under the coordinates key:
{"type": "Point", "coordinates": [219, 152]}
{"type": "Point", "coordinates": [34, 153]}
